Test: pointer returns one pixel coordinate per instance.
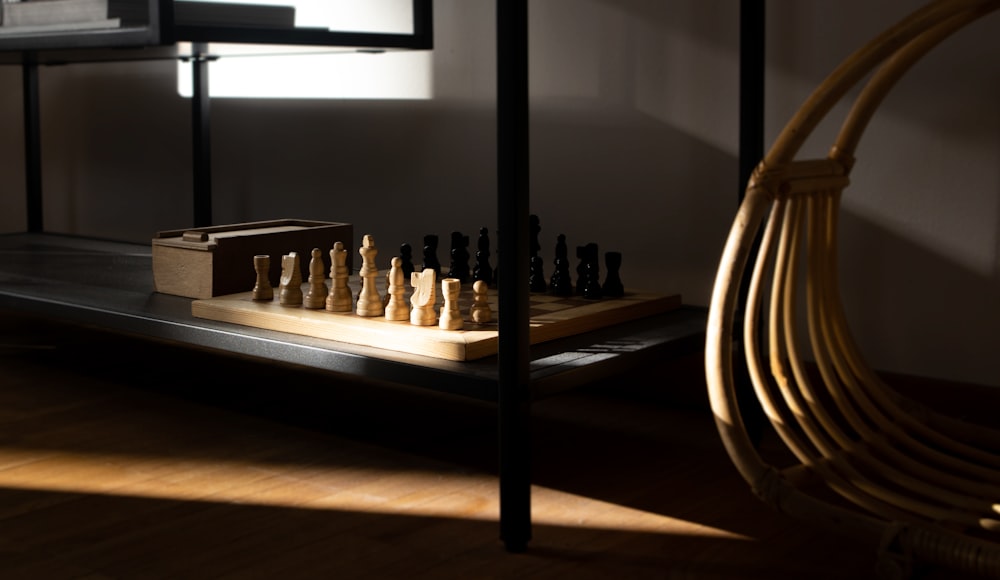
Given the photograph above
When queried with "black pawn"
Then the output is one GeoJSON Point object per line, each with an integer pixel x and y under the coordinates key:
{"type": "Point", "coordinates": [536, 277]}
{"type": "Point", "coordinates": [430, 254]}
{"type": "Point", "coordinates": [536, 228]}
{"type": "Point", "coordinates": [613, 286]}
{"type": "Point", "coordinates": [482, 270]}
{"type": "Point", "coordinates": [591, 272]}
{"type": "Point", "coordinates": [459, 267]}
{"type": "Point", "coordinates": [561, 284]}
{"type": "Point", "coordinates": [406, 256]}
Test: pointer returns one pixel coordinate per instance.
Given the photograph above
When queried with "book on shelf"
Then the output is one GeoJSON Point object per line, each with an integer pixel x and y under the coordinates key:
{"type": "Point", "coordinates": [32, 16]}
{"type": "Point", "coordinates": [41, 12]}
{"type": "Point", "coordinates": [107, 23]}
{"type": "Point", "coordinates": [194, 13]}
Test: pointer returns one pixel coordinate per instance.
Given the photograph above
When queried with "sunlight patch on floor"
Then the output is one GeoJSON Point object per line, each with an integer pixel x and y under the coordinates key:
{"type": "Point", "coordinates": [448, 493]}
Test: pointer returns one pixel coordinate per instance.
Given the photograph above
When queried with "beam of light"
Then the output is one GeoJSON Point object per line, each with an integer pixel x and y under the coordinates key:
{"type": "Point", "coordinates": [323, 72]}
{"type": "Point", "coordinates": [448, 493]}
{"type": "Point", "coordinates": [353, 75]}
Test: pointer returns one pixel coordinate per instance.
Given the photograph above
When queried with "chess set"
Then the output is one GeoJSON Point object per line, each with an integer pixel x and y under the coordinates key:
{"type": "Point", "coordinates": [450, 315]}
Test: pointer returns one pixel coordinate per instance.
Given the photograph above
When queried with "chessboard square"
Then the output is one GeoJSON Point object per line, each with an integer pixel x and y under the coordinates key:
{"type": "Point", "coordinates": [551, 306]}
{"type": "Point", "coordinates": [543, 298]}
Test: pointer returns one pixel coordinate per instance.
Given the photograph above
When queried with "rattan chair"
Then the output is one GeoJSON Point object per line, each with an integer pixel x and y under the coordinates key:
{"type": "Point", "coordinates": [919, 486]}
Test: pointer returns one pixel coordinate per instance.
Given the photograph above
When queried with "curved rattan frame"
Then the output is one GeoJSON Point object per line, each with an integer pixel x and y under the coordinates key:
{"type": "Point", "coordinates": [923, 486]}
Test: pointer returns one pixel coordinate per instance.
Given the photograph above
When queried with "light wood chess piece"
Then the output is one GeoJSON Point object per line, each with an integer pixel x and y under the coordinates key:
{"type": "Point", "coordinates": [423, 298]}
{"type": "Point", "coordinates": [397, 308]}
{"type": "Point", "coordinates": [262, 289]}
{"type": "Point", "coordinates": [315, 297]}
{"type": "Point", "coordinates": [290, 289]}
{"type": "Point", "coordinates": [339, 299]}
{"type": "Point", "coordinates": [451, 316]}
{"type": "Point", "coordinates": [369, 301]}
{"type": "Point", "coordinates": [480, 311]}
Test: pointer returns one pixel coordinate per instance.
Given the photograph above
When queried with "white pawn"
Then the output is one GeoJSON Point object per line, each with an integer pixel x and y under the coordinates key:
{"type": "Point", "coordinates": [423, 298]}
{"type": "Point", "coordinates": [339, 299]}
{"type": "Point", "coordinates": [369, 302]}
{"type": "Point", "coordinates": [480, 312]}
{"type": "Point", "coordinates": [315, 297]}
{"type": "Point", "coordinates": [396, 309]}
{"type": "Point", "coordinates": [451, 316]}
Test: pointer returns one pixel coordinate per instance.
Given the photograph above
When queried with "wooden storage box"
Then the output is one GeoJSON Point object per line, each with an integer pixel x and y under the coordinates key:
{"type": "Point", "coordinates": [217, 260]}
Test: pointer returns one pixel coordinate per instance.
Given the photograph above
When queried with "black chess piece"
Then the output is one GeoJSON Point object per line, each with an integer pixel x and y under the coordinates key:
{"type": "Point", "coordinates": [561, 284]}
{"type": "Point", "coordinates": [536, 228]}
{"type": "Point", "coordinates": [591, 272]}
{"type": "Point", "coordinates": [459, 267]}
{"type": "Point", "coordinates": [482, 270]}
{"type": "Point", "coordinates": [430, 254]}
{"type": "Point", "coordinates": [581, 268]}
{"type": "Point", "coordinates": [406, 256]}
{"type": "Point", "coordinates": [536, 277]}
{"type": "Point", "coordinates": [613, 287]}
{"type": "Point", "coordinates": [496, 269]}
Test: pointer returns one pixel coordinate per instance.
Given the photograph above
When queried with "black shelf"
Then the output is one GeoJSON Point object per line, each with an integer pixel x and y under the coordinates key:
{"type": "Point", "coordinates": [109, 285]}
{"type": "Point", "coordinates": [21, 47]}
{"type": "Point", "coordinates": [180, 50]}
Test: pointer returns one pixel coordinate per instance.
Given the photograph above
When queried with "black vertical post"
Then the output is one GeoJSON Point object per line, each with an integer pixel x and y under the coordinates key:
{"type": "Point", "coordinates": [751, 89]}
{"type": "Point", "coordinates": [201, 138]}
{"type": "Point", "coordinates": [752, 61]}
{"type": "Point", "coordinates": [423, 23]}
{"type": "Point", "coordinates": [32, 144]}
{"type": "Point", "coordinates": [512, 212]}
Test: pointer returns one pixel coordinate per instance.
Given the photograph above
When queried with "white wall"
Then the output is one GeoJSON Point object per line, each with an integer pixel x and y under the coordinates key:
{"type": "Point", "coordinates": [633, 147]}
{"type": "Point", "coordinates": [921, 220]}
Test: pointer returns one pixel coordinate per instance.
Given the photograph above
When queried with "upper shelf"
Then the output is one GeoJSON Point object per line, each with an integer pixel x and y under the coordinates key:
{"type": "Point", "coordinates": [157, 30]}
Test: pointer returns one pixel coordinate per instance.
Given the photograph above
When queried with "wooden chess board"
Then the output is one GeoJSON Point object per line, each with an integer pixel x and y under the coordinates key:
{"type": "Point", "coordinates": [551, 317]}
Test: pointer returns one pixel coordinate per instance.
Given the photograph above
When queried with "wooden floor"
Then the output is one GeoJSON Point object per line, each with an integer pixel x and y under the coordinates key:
{"type": "Point", "coordinates": [122, 461]}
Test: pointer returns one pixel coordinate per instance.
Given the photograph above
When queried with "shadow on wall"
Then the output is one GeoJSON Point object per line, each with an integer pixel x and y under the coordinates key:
{"type": "Point", "coordinates": [920, 246]}
{"type": "Point", "coordinates": [599, 173]}
{"type": "Point", "coordinates": [649, 185]}
{"type": "Point", "coordinates": [115, 156]}
{"type": "Point", "coordinates": [631, 183]}
{"type": "Point", "coordinates": [698, 18]}
{"type": "Point", "coordinates": [397, 170]}
{"type": "Point", "coordinates": [915, 311]}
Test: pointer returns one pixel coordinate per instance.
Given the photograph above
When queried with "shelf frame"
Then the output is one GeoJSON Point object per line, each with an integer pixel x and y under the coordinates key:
{"type": "Point", "coordinates": [513, 202]}
{"type": "Point", "coordinates": [518, 374]}
{"type": "Point", "coordinates": [161, 30]}
{"type": "Point", "coordinates": [161, 39]}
